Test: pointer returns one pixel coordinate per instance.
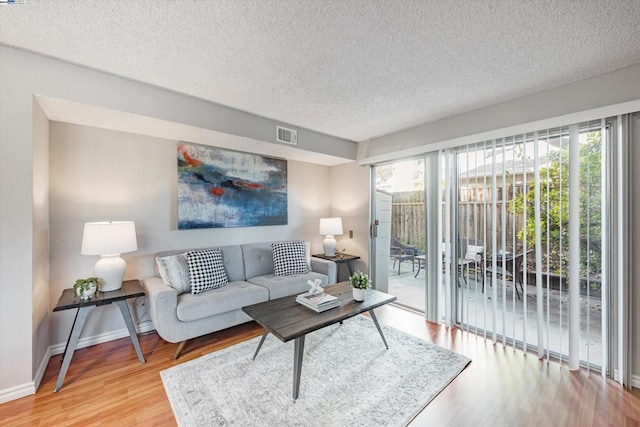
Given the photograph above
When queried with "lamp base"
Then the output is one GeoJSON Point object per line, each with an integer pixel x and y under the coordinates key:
{"type": "Point", "coordinates": [330, 244]}
{"type": "Point", "coordinates": [110, 270]}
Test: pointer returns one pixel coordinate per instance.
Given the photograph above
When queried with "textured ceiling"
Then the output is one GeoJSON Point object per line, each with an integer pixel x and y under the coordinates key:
{"type": "Point", "coordinates": [354, 69]}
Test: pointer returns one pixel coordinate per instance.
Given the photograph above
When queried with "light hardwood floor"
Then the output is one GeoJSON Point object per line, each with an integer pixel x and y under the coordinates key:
{"type": "Point", "coordinates": [106, 385]}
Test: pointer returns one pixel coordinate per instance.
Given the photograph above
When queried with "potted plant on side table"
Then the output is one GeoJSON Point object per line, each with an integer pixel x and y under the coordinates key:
{"type": "Point", "coordinates": [86, 288]}
{"type": "Point", "coordinates": [360, 283]}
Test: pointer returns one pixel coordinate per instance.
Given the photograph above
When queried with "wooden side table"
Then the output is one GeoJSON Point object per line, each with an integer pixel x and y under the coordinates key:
{"type": "Point", "coordinates": [130, 289]}
{"type": "Point", "coordinates": [345, 259]}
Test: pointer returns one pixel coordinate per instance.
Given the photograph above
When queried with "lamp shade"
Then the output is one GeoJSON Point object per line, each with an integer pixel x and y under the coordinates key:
{"type": "Point", "coordinates": [330, 226]}
{"type": "Point", "coordinates": [109, 238]}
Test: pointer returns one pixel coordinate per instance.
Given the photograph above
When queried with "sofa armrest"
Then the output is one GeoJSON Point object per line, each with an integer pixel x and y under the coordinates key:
{"type": "Point", "coordinates": [326, 267]}
{"type": "Point", "coordinates": [163, 306]}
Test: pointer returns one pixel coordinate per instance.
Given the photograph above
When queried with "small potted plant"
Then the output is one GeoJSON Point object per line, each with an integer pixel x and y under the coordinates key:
{"type": "Point", "coordinates": [86, 288]}
{"type": "Point", "coordinates": [360, 283]}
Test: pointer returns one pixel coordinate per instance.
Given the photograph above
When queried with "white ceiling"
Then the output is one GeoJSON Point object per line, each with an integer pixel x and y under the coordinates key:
{"type": "Point", "coordinates": [348, 68]}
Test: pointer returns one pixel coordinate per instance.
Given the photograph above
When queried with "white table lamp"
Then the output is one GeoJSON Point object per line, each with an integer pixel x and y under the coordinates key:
{"type": "Point", "coordinates": [330, 227]}
{"type": "Point", "coordinates": [109, 240]}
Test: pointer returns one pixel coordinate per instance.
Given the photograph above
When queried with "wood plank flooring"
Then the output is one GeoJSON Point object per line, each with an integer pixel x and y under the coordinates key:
{"type": "Point", "coordinates": [106, 385]}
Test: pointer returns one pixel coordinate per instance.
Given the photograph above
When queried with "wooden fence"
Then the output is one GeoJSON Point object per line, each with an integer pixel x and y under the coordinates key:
{"type": "Point", "coordinates": [408, 218]}
{"type": "Point", "coordinates": [474, 219]}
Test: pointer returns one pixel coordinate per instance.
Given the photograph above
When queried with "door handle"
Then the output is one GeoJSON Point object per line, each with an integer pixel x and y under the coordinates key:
{"type": "Point", "coordinates": [374, 228]}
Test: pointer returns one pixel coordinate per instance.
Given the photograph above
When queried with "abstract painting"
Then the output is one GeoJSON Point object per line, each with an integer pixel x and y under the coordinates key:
{"type": "Point", "coordinates": [220, 188]}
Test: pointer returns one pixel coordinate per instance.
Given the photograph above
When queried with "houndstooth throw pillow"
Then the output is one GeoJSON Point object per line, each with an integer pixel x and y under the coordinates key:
{"type": "Point", "coordinates": [206, 270]}
{"type": "Point", "coordinates": [289, 258]}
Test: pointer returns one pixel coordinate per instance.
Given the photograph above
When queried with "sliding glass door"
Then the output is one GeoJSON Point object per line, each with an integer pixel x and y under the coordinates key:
{"type": "Point", "coordinates": [523, 239]}
{"type": "Point", "coordinates": [401, 227]}
{"type": "Point", "coordinates": [525, 215]}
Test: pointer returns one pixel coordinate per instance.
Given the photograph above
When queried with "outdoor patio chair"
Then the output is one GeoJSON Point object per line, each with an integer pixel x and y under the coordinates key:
{"type": "Point", "coordinates": [474, 255]}
{"type": "Point", "coordinates": [462, 263]}
{"type": "Point", "coordinates": [507, 272]}
{"type": "Point", "coordinates": [402, 252]}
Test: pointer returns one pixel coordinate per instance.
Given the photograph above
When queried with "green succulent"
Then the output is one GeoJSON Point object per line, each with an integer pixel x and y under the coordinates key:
{"type": "Point", "coordinates": [359, 280]}
{"type": "Point", "coordinates": [83, 285]}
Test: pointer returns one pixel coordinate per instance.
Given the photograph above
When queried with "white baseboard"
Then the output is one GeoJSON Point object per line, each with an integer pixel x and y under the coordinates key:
{"type": "Point", "coordinates": [102, 338]}
{"type": "Point", "coordinates": [30, 388]}
{"type": "Point", "coordinates": [635, 379]}
{"type": "Point", "coordinates": [13, 393]}
{"type": "Point", "coordinates": [26, 389]}
{"type": "Point", "coordinates": [41, 369]}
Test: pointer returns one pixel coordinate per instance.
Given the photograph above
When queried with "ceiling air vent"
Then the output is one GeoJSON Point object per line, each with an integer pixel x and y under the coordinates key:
{"type": "Point", "coordinates": [288, 136]}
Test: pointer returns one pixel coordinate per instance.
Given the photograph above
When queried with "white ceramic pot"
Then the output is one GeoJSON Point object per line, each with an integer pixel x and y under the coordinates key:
{"type": "Point", "coordinates": [358, 294]}
{"type": "Point", "coordinates": [88, 293]}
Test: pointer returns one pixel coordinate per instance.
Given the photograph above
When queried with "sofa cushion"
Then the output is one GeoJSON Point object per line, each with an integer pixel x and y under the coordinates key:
{"type": "Point", "coordinates": [228, 298]}
{"type": "Point", "coordinates": [233, 262]}
{"type": "Point", "coordinates": [206, 270]}
{"type": "Point", "coordinates": [258, 259]}
{"type": "Point", "coordinates": [174, 272]}
{"type": "Point", "coordinates": [289, 258]}
{"type": "Point", "coordinates": [282, 286]}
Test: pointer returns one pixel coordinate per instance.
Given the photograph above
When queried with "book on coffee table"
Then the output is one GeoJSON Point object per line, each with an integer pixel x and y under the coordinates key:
{"type": "Point", "coordinates": [318, 302]}
{"type": "Point", "coordinates": [319, 309]}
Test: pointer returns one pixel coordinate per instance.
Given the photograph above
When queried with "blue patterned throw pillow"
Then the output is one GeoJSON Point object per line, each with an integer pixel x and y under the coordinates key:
{"type": "Point", "coordinates": [206, 270]}
{"type": "Point", "coordinates": [289, 258]}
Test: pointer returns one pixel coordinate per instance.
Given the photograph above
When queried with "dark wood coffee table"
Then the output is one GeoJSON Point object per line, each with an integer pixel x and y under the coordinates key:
{"type": "Point", "coordinates": [288, 320]}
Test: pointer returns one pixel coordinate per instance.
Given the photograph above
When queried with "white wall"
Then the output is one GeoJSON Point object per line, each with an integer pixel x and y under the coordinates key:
{"type": "Point", "coordinates": [40, 291]}
{"type": "Point", "coordinates": [16, 233]}
{"type": "Point", "coordinates": [99, 174]}
{"type": "Point", "coordinates": [350, 200]}
{"type": "Point", "coordinates": [23, 221]}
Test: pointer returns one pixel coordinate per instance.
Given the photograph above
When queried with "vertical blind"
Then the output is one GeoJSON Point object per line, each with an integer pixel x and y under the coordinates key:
{"type": "Point", "coordinates": [525, 236]}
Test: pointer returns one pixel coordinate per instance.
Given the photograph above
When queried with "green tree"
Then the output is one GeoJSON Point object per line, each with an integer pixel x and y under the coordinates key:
{"type": "Point", "coordinates": [554, 208]}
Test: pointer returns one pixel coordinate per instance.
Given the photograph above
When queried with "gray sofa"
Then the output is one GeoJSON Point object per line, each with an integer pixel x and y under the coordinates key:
{"type": "Point", "coordinates": [249, 268]}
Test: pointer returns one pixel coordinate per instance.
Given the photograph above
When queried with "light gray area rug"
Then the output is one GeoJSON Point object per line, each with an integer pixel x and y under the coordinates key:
{"type": "Point", "coordinates": [348, 379]}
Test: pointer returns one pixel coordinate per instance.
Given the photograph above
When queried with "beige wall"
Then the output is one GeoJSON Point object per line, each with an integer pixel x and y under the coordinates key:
{"type": "Point", "coordinates": [350, 200]}
{"type": "Point", "coordinates": [16, 232]}
{"type": "Point", "coordinates": [24, 300]}
{"type": "Point", "coordinates": [99, 174]}
{"type": "Point", "coordinates": [40, 291]}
